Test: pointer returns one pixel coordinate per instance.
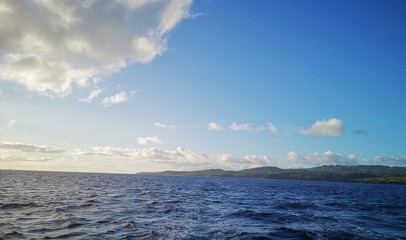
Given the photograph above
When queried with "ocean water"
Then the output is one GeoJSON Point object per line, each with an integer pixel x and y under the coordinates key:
{"type": "Point", "coordinates": [50, 205]}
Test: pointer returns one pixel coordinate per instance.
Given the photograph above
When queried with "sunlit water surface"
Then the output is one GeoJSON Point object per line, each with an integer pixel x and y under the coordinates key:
{"type": "Point", "coordinates": [108, 206]}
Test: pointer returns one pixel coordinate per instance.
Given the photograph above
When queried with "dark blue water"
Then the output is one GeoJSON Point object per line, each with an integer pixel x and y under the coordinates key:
{"type": "Point", "coordinates": [107, 206]}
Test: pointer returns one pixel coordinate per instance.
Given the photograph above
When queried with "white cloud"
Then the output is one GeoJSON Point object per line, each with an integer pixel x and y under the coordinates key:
{"type": "Point", "coordinates": [180, 154]}
{"type": "Point", "coordinates": [259, 160]}
{"type": "Point", "coordinates": [116, 159]}
{"type": "Point", "coordinates": [391, 160]}
{"type": "Point", "coordinates": [214, 127]}
{"type": "Point", "coordinates": [331, 127]}
{"type": "Point", "coordinates": [318, 159]}
{"type": "Point", "coordinates": [52, 46]}
{"type": "Point", "coordinates": [15, 158]}
{"type": "Point", "coordinates": [352, 157]}
{"type": "Point", "coordinates": [327, 158]}
{"type": "Point", "coordinates": [147, 140]}
{"type": "Point", "coordinates": [115, 99]}
{"type": "Point", "coordinates": [241, 127]}
{"type": "Point", "coordinates": [293, 156]}
{"type": "Point", "coordinates": [269, 127]}
{"type": "Point", "coordinates": [161, 125]}
{"type": "Point", "coordinates": [32, 148]}
{"type": "Point", "coordinates": [96, 92]}
{"type": "Point", "coordinates": [9, 125]}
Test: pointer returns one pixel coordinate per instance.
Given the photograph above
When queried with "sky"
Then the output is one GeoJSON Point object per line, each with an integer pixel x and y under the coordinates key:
{"type": "Point", "coordinates": [129, 86]}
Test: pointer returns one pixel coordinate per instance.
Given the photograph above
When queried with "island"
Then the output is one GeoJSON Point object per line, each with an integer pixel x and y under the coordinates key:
{"type": "Point", "coordinates": [337, 173]}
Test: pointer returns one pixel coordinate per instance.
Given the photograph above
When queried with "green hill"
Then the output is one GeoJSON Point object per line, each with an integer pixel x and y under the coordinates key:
{"type": "Point", "coordinates": [359, 173]}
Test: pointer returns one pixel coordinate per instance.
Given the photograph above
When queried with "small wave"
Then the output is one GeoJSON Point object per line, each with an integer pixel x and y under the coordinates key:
{"type": "Point", "coordinates": [252, 236]}
{"type": "Point", "coordinates": [74, 225]}
{"type": "Point", "coordinates": [340, 234]}
{"type": "Point", "coordinates": [18, 205]}
{"type": "Point", "coordinates": [13, 234]}
{"type": "Point", "coordinates": [70, 235]}
{"type": "Point", "coordinates": [92, 201]}
{"type": "Point", "coordinates": [289, 233]}
{"type": "Point", "coordinates": [255, 215]}
{"type": "Point", "coordinates": [294, 205]}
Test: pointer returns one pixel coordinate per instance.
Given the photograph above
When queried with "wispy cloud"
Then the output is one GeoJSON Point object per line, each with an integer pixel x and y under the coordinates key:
{"type": "Point", "coordinates": [360, 132]}
{"type": "Point", "coordinates": [115, 99]}
{"type": "Point", "coordinates": [215, 127]}
{"type": "Point", "coordinates": [147, 140]}
{"type": "Point", "coordinates": [16, 158]}
{"type": "Point", "coordinates": [96, 92]}
{"type": "Point", "coordinates": [269, 127]}
{"type": "Point", "coordinates": [52, 46]}
{"type": "Point", "coordinates": [30, 147]}
{"type": "Point", "coordinates": [370, 141]}
{"type": "Point", "coordinates": [9, 125]}
{"type": "Point", "coordinates": [161, 125]}
{"type": "Point", "coordinates": [246, 127]}
{"type": "Point", "coordinates": [332, 127]}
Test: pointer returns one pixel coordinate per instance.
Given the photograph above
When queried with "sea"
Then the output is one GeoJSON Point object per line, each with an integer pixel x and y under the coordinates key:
{"type": "Point", "coordinates": [57, 205]}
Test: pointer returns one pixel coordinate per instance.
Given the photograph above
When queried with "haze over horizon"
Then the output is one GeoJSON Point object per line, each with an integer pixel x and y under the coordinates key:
{"type": "Point", "coordinates": [132, 86]}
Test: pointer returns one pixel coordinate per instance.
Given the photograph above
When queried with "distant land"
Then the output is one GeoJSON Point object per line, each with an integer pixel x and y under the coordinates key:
{"type": "Point", "coordinates": [339, 173]}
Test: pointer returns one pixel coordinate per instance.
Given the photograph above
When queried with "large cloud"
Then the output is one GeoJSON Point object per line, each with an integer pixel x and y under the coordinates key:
{"type": "Point", "coordinates": [52, 46]}
{"type": "Point", "coordinates": [331, 127]}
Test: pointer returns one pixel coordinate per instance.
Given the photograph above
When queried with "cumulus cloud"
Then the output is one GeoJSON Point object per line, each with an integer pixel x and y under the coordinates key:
{"type": "Point", "coordinates": [269, 127]}
{"type": "Point", "coordinates": [328, 158]}
{"type": "Point", "coordinates": [180, 154]}
{"type": "Point", "coordinates": [292, 156]}
{"type": "Point", "coordinates": [147, 140]}
{"type": "Point", "coordinates": [161, 125]}
{"type": "Point", "coordinates": [294, 160]}
{"type": "Point", "coordinates": [96, 92]}
{"type": "Point", "coordinates": [178, 159]}
{"type": "Point", "coordinates": [52, 46]}
{"type": "Point", "coordinates": [352, 157]}
{"type": "Point", "coordinates": [241, 127]}
{"type": "Point", "coordinates": [214, 127]}
{"type": "Point", "coordinates": [115, 99]}
{"type": "Point", "coordinates": [388, 160]}
{"type": "Point", "coordinates": [30, 147]}
{"type": "Point", "coordinates": [331, 127]}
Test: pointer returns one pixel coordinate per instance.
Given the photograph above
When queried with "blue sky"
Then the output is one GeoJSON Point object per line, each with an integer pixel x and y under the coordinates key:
{"type": "Point", "coordinates": [133, 86]}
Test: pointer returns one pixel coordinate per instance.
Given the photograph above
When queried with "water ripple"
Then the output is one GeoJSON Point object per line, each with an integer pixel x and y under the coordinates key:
{"type": "Point", "coordinates": [107, 206]}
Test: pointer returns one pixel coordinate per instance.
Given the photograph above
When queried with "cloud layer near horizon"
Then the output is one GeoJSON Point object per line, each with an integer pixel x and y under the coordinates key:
{"type": "Point", "coordinates": [177, 159]}
{"type": "Point", "coordinates": [52, 46]}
